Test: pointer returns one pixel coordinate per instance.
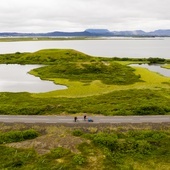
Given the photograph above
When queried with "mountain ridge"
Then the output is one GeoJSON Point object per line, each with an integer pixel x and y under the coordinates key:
{"type": "Point", "coordinates": [94, 32]}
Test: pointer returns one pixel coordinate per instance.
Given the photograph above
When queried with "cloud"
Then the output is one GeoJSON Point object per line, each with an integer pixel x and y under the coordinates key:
{"type": "Point", "coordinates": [77, 15]}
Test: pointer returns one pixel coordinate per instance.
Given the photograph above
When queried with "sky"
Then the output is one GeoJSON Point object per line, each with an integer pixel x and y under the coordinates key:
{"type": "Point", "coordinates": [77, 15]}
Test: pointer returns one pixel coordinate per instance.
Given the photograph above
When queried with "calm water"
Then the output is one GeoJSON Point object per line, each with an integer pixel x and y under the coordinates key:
{"type": "Point", "coordinates": [15, 78]}
{"type": "Point", "coordinates": [117, 47]}
{"type": "Point", "coordinates": [154, 68]}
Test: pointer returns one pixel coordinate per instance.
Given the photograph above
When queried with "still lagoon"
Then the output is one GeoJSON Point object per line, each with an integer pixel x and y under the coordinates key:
{"type": "Point", "coordinates": [155, 68]}
{"type": "Point", "coordinates": [15, 78]}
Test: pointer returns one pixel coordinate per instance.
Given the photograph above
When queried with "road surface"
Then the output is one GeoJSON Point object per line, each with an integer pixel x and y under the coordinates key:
{"type": "Point", "coordinates": [70, 119]}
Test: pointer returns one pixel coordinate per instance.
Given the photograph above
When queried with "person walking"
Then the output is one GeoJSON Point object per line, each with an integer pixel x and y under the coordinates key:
{"type": "Point", "coordinates": [85, 117]}
{"type": "Point", "coordinates": [75, 119]}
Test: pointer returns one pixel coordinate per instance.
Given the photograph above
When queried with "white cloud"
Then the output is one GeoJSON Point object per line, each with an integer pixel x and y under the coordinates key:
{"type": "Point", "coordinates": [77, 15]}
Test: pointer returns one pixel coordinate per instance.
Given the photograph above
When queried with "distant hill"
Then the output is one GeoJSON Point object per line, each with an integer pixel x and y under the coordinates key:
{"type": "Point", "coordinates": [160, 33]}
{"type": "Point", "coordinates": [56, 33]}
{"type": "Point", "coordinates": [130, 33]}
{"type": "Point", "coordinates": [156, 33]}
{"type": "Point", "coordinates": [98, 31]}
{"type": "Point", "coordinates": [93, 32]}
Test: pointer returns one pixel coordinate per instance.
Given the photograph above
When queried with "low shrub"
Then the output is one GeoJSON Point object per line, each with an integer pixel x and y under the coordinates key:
{"type": "Point", "coordinates": [77, 132]}
{"type": "Point", "coordinates": [16, 136]}
{"type": "Point", "coordinates": [79, 159]}
{"type": "Point", "coordinates": [58, 153]}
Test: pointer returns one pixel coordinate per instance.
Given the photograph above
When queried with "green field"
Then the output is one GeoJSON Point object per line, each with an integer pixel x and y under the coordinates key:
{"type": "Point", "coordinates": [167, 66]}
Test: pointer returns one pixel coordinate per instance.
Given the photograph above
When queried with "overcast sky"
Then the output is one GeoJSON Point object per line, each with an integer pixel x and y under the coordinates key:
{"type": "Point", "coordinates": [77, 15]}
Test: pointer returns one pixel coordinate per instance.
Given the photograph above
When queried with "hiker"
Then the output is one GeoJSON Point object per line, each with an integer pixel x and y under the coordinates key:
{"type": "Point", "coordinates": [75, 119]}
{"type": "Point", "coordinates": [84, 117]}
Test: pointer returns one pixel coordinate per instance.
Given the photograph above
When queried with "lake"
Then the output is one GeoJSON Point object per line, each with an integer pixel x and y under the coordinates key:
{"type": "Point", "coordinates": [154, 68]}
{"type": "Point", "coordinates": [112, 47]}
{"type": "Point", "coordinates": [15, 78]}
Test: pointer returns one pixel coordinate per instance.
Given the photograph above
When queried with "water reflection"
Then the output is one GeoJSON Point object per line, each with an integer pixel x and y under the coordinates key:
{"type": "Point", "coordinates": [154, 68]}
{"type": "Point", "coordinates": [15, 78]}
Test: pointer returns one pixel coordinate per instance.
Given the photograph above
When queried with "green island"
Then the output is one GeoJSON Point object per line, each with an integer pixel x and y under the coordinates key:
{"type": "Point", "coordinates": [96, 86]}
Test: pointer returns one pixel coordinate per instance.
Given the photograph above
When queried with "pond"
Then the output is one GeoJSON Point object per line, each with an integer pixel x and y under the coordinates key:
{"type": "Point", "coordinates": [155, 68]}
{"type": "Point", "coordinates": [15, 78]}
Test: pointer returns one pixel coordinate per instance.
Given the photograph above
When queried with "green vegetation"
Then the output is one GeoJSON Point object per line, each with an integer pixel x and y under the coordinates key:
{"type": "Point", "coordinates": [125, 150]}
{"type": "Point", "coordinates": [103, 149]}
{"type": "Point", "coordinates": [166, 66]}
{"type": "Point", "coordinates": [26, 159]}
{"type": "Point", "coordinates": [156, 60]}
{"type": "Point", "coordinates": [51, 56]}
{"type": "Point", "coordinates": [123, 102]}
{"type": "Point", "coordinates": [16, 136]}
{"type": "Point", "coordinates": [96, 85]}
{"type": "Point", "coordinates": [113, 73]}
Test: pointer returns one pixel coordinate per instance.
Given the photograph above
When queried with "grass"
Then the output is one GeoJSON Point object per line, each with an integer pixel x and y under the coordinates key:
{"type": "Point", "coordinates": [150, 80]}
{"type": "Point", "coordinates": [120, 102]}
{"type": "Point", "coordinates": [166, 66]}
{"type": "Point", "coordinates": [16, 136]}
{"type": "Point", "coordinates": [122, 147]}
